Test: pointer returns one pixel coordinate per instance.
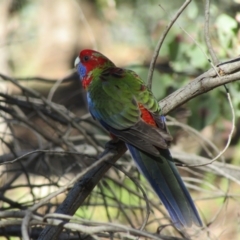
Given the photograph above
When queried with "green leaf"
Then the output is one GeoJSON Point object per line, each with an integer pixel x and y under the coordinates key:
{"type": "Point", "coordinates": [226, 27]}
{"type": "Point", "coordinates": [197, 57]}
{"type": "Point", "coordinates": [204, 111]}
{"type": "Point", "coordinates": [226, 23]}
{"type": "Point", "coordinates": [192, 11]}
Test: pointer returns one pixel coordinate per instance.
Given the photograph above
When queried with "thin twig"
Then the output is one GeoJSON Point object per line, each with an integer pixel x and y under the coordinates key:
{"type": "Point", "coordinates": [206, 34]}
{"type": "Point", "coordinates": [160, 42]}
{"type": "Point", "coordinates": [144, 196]}
{"type": "Point", "coordinates": [188, 128]}
{"type": "Point", "coordinates": [46, 151]}
{"type": "Point", "coordinates": [221, 169]}
{"type": "Point", "coordinates": [25, 225]}
{"type": "Point", "coordinates": [53, 107]}
{"type": "Point", "coordinates": [87, 26]}
{"type": "Point", "coordinates": [229, 136]}
{"type": "Point", "coordinates": [81, 188]}
{"type": "Point", "coordinates": [75, 179]}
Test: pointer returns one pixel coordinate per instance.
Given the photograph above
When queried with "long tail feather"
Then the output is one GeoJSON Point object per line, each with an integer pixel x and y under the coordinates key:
{"type": "Point", "coordinates": [164, 178]}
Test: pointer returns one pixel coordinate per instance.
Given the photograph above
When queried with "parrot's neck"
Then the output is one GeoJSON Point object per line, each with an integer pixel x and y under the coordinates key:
{"type": "Point", "coordinates": [86, 82]}
{"type": "Point", "coordinates": [92, 77]}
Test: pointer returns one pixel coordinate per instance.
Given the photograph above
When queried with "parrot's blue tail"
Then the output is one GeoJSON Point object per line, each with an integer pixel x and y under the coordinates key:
{"type": "Point", "coordinates": [164, 178]}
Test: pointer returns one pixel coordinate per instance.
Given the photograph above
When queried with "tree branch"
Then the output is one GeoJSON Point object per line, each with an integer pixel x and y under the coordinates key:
{"type": "Point", "coordinates": [206, 33]}
{"type": "Point", "coordinates": [160, 42]}
{"type": "Point", "coordinates": [82, 189]}
{"type": "Point", "coordinates": [229, 72]}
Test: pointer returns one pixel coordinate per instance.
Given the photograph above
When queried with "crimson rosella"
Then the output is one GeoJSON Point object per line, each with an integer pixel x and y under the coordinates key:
{"type": "Point", "coordinates": [126, 107]}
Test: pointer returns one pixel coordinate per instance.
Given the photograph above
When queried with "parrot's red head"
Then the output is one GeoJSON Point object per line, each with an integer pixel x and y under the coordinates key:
{"type": "Point", "coordinates": [88, 60]}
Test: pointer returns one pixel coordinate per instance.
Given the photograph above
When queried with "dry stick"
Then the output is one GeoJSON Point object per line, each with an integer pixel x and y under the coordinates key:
{"type": "Point", "coordinates": [215, 60]}
{"type": "Point", "coordinates": [144, 195]}
{"type": "Point", "coordinates": [87, 226]}
{"type": "Point", "coordinates": [104, 198]}
{"type": "Point", "coordinates": [15, 231]}
{"type": "Point", "coordinates": [92, 225]}
{"type": "Point", "coordinates": [37, 129]}
{"type": "Point", "coordinates": [82, 189]}
{"type": "Point", "coordinates": [223, 169]}
{"type": "Point", "coordinates": [87, 26]}
{"type": "Point", "coordinates": [120, 206]}
{"type": "Point", "coordinates": [25, 154]}
{"type": "Point", "coordinates": [81, 225]}
{"type": "Point", "coordinates": [160, 42]}
{"type": "Point", "coordinates": [229, 137]}
{"type": "Point", "coordinates": [221, 208]}
{"type": "Point", "coordinates": [58, 132]}
{"type": "Point", "coordinates": [105, 157]}
{"type": "Point", "coordinates": [229, 72]}
{"type": "Point", "coordinates": [206, 34]}
{"type": "Point", "coordinates": [175, 122]}
{"type": "Point", "coordinates": [53, 107]}
{"type": "Point", "coordinates": [54, 88]}
{"type": "Point", "coordinates": [216, 216]}
{"type": "Point", "coordinates": [25, 225]}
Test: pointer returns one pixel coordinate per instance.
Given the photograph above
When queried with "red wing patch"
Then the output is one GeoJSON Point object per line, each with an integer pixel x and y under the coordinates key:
{"type": "Point", "coordinates": [146, 115]}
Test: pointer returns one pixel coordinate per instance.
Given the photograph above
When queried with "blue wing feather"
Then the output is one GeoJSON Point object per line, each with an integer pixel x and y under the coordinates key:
{"type": "Point", "coordinates": [164, 178]}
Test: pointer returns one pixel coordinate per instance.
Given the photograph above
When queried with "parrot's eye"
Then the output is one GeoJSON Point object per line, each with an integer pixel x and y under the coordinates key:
{"type": "Point", "coordinates": [86, 58]}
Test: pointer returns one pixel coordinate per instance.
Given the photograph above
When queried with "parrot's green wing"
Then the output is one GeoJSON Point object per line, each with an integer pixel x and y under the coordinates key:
{"type": "Point", "coordinates": [115, 99]}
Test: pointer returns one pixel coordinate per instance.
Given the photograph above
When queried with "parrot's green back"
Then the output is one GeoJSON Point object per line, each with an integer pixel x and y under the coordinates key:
{"type": "Point", "coordinates": [118, 92]}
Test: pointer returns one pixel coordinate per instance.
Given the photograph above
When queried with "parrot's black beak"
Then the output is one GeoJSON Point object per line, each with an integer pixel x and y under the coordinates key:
{"type": "Point", "coordinates": [77, 61]}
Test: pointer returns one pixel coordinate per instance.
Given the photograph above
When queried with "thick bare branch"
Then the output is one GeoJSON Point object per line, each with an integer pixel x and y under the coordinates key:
{"type": "Point", "coordinates": [229, 72]}
{"type": "Point", "coordinates": [82, 189]}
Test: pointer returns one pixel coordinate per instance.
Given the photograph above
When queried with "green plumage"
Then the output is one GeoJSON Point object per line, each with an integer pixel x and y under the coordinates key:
{"type": "Point", "coordinates": [118, 92]}
{"type": "Point", "coordinates": [114, 96]}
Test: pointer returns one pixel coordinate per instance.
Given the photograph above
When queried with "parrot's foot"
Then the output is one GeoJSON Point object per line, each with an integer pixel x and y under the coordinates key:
{"type": "Point", "coordinates": [112, 144]}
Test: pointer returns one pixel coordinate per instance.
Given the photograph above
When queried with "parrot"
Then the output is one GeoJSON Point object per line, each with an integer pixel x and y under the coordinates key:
{"type": "Point", "coordinates": [124, 105]}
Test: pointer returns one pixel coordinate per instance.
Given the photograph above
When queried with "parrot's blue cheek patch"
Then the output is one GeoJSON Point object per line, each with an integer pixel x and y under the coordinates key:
{"type": "Point", "coordinates": [81, 70]}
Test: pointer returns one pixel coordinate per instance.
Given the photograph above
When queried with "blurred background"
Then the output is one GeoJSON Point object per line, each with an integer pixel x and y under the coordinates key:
{"type": "Point", "coordinates": [39, 41]}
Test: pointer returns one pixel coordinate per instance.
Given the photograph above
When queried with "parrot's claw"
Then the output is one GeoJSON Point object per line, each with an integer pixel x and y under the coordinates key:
{"type": "Point", "coordinates": [111, 145]}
